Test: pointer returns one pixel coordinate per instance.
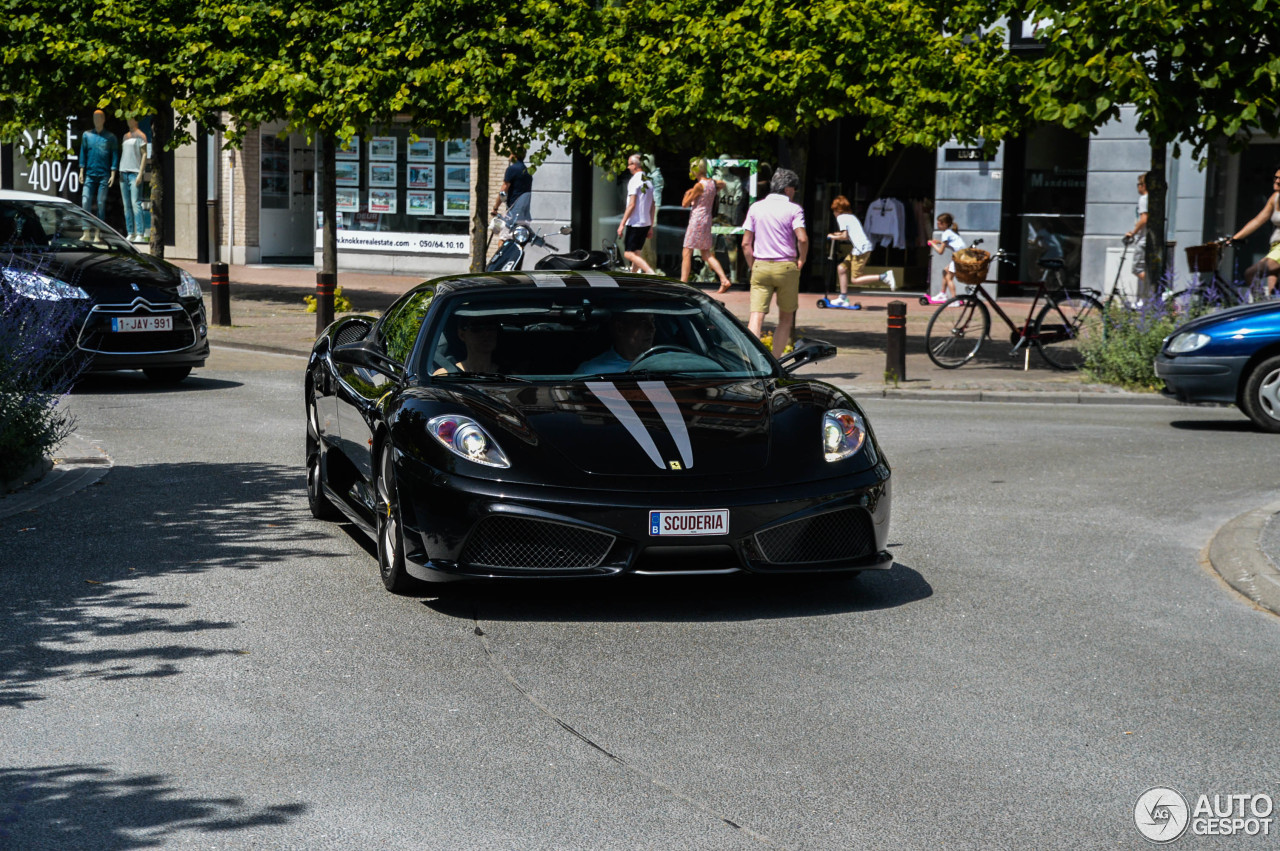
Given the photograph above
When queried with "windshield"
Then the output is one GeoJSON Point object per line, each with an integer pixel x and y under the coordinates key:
{"type": "Point", "coordinates": [54, 226]}
{"type": "Point", "coordinates": [562, 335]}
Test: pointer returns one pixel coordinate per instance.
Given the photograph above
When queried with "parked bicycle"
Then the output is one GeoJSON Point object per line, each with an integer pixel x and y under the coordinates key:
{"type": "Point", "coordinates": [1066, 320]}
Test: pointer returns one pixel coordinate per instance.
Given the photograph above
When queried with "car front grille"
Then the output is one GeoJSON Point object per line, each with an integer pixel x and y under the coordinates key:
{"type": "Point", "coordinates": [96, 335]}
{"type": "Point", "coordinates": [522, 542]}
{"type": "Point", "coordinates": [833, 536]}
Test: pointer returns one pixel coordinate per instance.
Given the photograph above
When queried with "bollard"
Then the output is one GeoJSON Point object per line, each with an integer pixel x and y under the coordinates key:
{"type": "Point", "coordinates": [326, 282]}
{"type": "Point", "coordinates": [895, 351]}
{"type": "Point", "coordinates": [221, 293]}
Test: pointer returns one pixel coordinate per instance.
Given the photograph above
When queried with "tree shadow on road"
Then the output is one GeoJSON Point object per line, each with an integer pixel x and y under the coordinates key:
{"type": "Point", "coordinates": [70, 606]}
{"type": "Point", "coordinates": [86, 806]}
{"type": "Point", "coordinates": [682, 598]}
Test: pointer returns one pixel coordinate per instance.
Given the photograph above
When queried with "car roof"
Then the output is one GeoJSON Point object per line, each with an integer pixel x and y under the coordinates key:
{"type": "Point", "coordinates": [15, 195]}
{"type": "Point", "coordinates": [559, 278]}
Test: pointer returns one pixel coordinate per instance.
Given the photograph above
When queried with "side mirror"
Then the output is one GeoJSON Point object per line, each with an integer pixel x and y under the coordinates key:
{"type": "Point", "coordinates": [806, 351]}
{"type": "Point", "coordinates": [363, 354]}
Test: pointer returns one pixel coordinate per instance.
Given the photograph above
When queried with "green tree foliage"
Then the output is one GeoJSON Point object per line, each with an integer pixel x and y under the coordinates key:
{"type": "Point", "coordinates": [1196, 71]}
{"type": "Point", "coordinates": [728, 75]}
{"type": "Point", "coordinates": [124, 56]}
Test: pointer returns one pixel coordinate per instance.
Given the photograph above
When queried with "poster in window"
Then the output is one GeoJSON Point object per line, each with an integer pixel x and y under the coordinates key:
{"type": "Point", "coordinates": [382, 148]}
{"type": "Point", "coordinates": [457, 203]}
{"type": "Point", "coordinates": [382, 200]}
{"type": "Point", "coordinates": [422, 177]}
{"type": "Point", "coordinates": [457, 150]}
{"type": "Point", "coordinates": [348, 151]}
{"type": "Point", "coordinates": [457, 176]}
{"type": "Point", "coordinates": [348, 200]}
{"type": "Point", "coordinates": [346, 173]}
{"type": "Point", "coordinates": [382, 174]}
{"type": "Point", "coordinates": [422, 151]}
{"type": "Point", "coordinates": [420, 203]}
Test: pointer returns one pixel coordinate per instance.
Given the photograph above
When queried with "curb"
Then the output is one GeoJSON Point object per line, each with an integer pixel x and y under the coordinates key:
{"type": "Point", "coordinates": [76, 465]}
{"type": "Point", "coordinates": [256, 347]}
{"type": "Point", "coordinates": [1048, 397]}
{"type": "Point", "coordinates": [1236, 554]}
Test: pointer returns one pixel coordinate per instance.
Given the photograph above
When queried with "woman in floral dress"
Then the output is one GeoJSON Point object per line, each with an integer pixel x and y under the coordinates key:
{"type": "Point", "coordinates": [702, 199]}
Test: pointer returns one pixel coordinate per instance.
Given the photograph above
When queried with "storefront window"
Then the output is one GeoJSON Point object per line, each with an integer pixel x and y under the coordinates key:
{"type": "Point", "coordinates": [1044, 200]}
{"type": "Point", "coordinates": [416, 192]}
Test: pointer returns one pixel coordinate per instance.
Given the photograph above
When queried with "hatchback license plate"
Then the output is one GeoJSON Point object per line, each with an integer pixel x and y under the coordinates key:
{"type": "Point", "coordinates": [714, 521]}
{"type": "Point", "coordinates": [142, 323]}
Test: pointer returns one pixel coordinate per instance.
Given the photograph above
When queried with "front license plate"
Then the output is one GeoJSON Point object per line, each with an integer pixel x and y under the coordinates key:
{"type": "Point", "coordinates": [714, 521]}
{"type": "Point", "coordinates": [142, 323]}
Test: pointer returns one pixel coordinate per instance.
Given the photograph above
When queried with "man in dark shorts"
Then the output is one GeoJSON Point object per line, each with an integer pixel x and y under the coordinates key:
{"type": "Point", "coordinates": [637, 220]}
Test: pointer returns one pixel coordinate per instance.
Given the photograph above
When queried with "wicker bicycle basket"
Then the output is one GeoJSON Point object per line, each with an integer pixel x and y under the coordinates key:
{"type": "Point", "coordinates": [972, 265]}
{"type": "Point", "coordinates": [1203, 258]}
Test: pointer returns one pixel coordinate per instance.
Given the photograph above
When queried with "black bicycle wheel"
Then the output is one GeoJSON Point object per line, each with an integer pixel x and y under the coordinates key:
{"type": "Point", "coordinates": [956, 331]}
{"type": "Point", "coordinates": [1066, 327]}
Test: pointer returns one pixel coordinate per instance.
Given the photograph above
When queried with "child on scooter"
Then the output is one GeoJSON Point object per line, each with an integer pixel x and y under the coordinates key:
{"type": "Point", "coordinates": [950, 239]}
{"type": "Point", "coordinates": [860, 249]}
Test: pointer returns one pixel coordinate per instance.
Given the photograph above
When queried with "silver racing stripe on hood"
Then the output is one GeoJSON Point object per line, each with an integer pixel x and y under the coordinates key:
{"type": "Point", "coordinates": [597, 279]}
{"type": "Point", "coordinates": [667, 408]}
{"type": "Point", "coordinates": [546, 279]}
{"type": "Point", "coordinates": [621, 408]}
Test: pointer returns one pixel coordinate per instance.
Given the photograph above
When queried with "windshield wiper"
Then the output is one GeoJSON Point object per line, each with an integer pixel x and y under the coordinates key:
{"type": "Point", "coordinates": [486, 376]}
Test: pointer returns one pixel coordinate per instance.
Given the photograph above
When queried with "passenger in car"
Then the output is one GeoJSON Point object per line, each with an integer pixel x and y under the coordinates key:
{"type": "Point", "coordinates": [479, 336]}
{"type": "Point", "coordinates": [632, 336]}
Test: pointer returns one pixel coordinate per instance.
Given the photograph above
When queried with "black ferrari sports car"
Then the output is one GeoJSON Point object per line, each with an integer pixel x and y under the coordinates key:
{"type": "Point", "coordinates": [585, 424]}
{"type": "Point", "coordinates": [132, 310]}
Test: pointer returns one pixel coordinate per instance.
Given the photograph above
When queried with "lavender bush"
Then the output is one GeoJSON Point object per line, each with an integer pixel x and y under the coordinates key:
{"type": "Point", "coordinates": [1124, 353]}
{"type": "Point", "coordinates": [37, 368]}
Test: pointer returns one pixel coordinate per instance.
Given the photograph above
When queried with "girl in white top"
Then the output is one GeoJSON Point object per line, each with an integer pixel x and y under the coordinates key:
{"type": "Point", "coordinates": [859, 250]}
{"type": "Point", "coordinates": [1268, 267]}
{"type": "Point", "coordinates": [950, 239]}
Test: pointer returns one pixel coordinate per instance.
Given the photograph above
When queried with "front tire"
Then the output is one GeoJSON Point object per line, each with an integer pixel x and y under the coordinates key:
{"type": "Point", "coordinates": [1261, 397]}
{"type": "Point", "coordinates": [1066, 327]}
{"type": "Point", "coordinates": [390, 531]}
{"type": "Point", "coordinates": [962, 324]}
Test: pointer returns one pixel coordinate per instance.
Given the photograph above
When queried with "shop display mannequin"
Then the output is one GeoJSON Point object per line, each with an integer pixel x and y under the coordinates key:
{"type": "Point", "coordinates": [133, 162]}
{"type": "Point", "coordinates": [99, 161]}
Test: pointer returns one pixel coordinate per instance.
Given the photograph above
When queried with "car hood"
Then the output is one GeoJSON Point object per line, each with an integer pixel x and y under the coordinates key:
{"type": "Point", "coordinates": [1262, 315]}
{"type": "Point", "coordinates": [627, 428]}
{"type": "Point", "coordinates": [113, 277]}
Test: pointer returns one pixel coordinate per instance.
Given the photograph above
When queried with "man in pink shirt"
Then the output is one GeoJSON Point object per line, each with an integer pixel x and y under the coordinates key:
{"type": "Point", "coordinates": [775, 244]}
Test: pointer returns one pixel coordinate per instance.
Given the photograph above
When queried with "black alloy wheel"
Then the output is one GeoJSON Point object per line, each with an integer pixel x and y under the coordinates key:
{"type": "Point", "coordinates": [390, 532]}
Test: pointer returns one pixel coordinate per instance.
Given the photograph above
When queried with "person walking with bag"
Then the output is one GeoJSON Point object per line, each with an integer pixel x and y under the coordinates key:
{"type": "Point", "coordinates": [701, 198]}
{"type": "Point", "coordinates": [637, 220]}
{"type": "Point", "coordinates": [775, 243]}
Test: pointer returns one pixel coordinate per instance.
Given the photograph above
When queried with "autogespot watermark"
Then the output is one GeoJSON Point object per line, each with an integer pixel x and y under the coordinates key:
{"type": "Point", "coordinates": [1163, 815]}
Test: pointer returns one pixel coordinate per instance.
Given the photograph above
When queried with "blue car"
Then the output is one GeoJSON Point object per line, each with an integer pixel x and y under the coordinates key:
{"type": "Point", "coordinates": [1232, 356]}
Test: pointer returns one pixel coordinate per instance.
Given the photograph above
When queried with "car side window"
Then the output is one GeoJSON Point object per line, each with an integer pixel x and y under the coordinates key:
{"type": "Point", "coordinates": [399, 328]}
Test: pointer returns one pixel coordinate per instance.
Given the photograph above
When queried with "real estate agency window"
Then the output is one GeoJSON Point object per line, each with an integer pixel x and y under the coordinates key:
{"type": "Point", "coordinates": [390, 181]}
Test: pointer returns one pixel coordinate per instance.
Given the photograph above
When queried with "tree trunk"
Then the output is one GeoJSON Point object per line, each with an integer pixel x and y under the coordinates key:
{"type": "Point", "coordinates": [329, 207]}
{"type": "Point", "coordinates": [1157, 196]}
{"type": "Point", "coordinates": [479, 216]}
{"type": "Point", "coordinates": [161, 130]}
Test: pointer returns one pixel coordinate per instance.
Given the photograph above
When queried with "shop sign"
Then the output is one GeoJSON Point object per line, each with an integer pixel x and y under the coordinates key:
{"type": "Point", "coordinates": [49, 178]}
{"type": "Point", "coordinates": [967, 155]}
{"type": "Point", "coordinates": [400, 243]}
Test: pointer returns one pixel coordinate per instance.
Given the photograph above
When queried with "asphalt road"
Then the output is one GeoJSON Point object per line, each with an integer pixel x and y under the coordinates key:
{"type": "Point", "coordinates": [187, 659]}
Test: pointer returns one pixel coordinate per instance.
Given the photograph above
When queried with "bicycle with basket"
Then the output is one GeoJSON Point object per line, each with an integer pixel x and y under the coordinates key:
{"type": "Point", "coordinates": [1064, 322]}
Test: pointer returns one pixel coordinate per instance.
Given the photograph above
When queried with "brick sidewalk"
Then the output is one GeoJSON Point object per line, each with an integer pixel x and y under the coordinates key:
{"type": "Point", "coordinates": [268, 313]}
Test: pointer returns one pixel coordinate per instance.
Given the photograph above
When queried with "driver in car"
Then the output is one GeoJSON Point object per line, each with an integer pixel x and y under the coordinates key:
{"type": "Point", "coordinates": [632, 337]}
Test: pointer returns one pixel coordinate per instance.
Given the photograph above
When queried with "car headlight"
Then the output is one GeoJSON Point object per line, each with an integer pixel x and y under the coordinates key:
{"type": "Point", "coordinates": [843, 433]}
{"type": "Point", "coordinates": [1180, 344]}
{"type": "Point", "coordinates": [35, 285]}
{"type": "Point", "coordinates": [190, 287]}
{"type": "Point", "coordinates": [463, 436]}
